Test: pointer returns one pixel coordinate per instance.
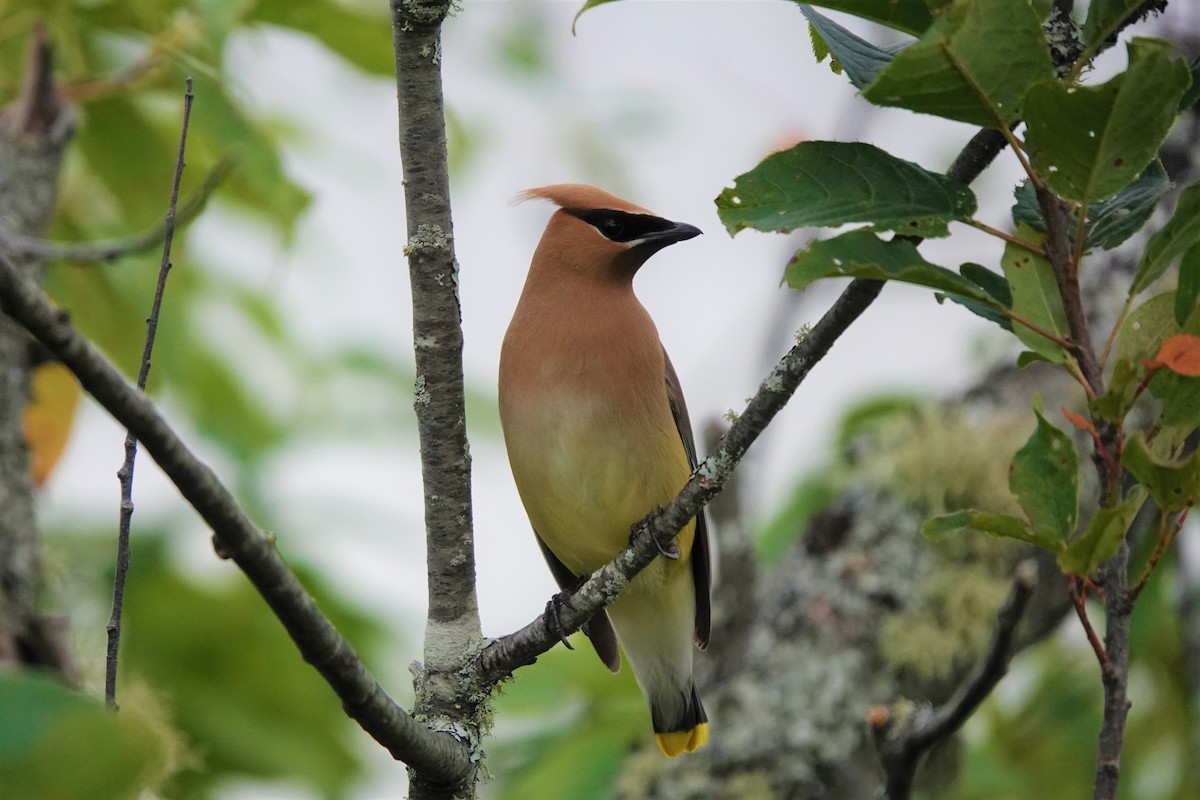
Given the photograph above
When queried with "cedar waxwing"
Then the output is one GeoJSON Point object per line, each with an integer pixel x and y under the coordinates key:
{"type": "Point", "coordinates": [598, 437]}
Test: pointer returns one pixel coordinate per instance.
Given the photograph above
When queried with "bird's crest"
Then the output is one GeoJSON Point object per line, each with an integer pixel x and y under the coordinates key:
{"type": "Point", "coordinates": [580, 196]}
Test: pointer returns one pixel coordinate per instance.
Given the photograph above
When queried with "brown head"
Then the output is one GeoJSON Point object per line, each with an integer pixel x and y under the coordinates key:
{"type": "Point", "coordinates": [597, 235]}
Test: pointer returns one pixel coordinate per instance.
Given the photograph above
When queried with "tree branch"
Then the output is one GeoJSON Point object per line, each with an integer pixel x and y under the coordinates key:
{"type": "Point", "coordinates": [237, 537]}
{"type": "Point", "coordinates": [34, 132]}
{"type": "Point", "coordinates": [125, 473]}
{"type": "Point", "coordinates": [112, 249]}
{"type": "Point", "coordinates": [902, 743]}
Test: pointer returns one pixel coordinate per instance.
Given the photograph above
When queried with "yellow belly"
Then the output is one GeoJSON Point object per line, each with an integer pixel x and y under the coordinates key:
{"type": "Point", "coordinates": [585, 479]}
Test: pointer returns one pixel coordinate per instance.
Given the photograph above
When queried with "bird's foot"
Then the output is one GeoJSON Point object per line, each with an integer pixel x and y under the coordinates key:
{"type": "Point", "coordinates": [552, 622]}
{"type": "Point", "coordinates": [670, 550]}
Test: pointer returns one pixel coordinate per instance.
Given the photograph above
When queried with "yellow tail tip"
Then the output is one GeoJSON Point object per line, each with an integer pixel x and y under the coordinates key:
{"type": "Point", "coordinates": [676, 742]}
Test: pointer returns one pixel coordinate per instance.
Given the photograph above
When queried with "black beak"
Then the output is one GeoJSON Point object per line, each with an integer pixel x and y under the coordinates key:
{"type": "Point", "coordinates": [678, 232]}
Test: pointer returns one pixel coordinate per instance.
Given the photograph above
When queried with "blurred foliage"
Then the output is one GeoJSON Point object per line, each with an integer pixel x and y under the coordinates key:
{"type": "Point", "coordinates": [1045, 715]}
{"type": "Point", "coordinates": [566, 722]}
{"type": "Point", "coordinates": [205, 659]}
{"type": "Point", "coordinates": [59, 744]}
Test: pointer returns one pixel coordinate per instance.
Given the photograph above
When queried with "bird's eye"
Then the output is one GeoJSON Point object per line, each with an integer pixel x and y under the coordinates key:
{"type": "Point", "coordinates": [612, 227]}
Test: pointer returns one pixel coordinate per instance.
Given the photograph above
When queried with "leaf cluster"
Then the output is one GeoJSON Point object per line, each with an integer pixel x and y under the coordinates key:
{"type": "Point", "coordinates": [1091, 151]}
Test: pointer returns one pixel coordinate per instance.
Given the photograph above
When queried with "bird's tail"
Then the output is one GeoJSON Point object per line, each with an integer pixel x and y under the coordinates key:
{"type": "Point", "coordinates": [680, 726]}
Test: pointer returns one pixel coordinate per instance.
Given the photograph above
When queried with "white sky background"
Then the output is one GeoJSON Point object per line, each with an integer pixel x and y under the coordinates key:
{"type": "Point", "coordinates": [685, 96]}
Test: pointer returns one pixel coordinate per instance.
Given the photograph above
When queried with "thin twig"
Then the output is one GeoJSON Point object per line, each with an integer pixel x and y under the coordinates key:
{"type": "Point", "coordinates": [125, 473]}
{"type": "Point", "coordinates": [1168, 529]}
{"type": "Point", "coordinates": [1078, 592]}
{"type": "Point", "coordinates": [902, 743]}
{"type": "Point", "coordinates": [111, 249]}
{"type": "Point", "coordinates": [1007, 237]}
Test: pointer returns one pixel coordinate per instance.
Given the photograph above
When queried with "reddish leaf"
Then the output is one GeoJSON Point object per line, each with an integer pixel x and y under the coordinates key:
{"type": "Point", "coordinates": [1080, 422]}
{"type": "Point", "coordinates": [1180, 354]}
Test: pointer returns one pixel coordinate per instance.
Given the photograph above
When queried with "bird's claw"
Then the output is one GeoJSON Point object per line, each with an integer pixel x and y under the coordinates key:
{"type": "Point", "coordinates": [552, 622]}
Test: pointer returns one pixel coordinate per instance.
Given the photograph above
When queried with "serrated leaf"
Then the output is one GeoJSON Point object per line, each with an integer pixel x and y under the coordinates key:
{"type": "Point", "coordinates": [1146, 328]}
{"type": "Point", "coordinates": [1001, 526]}
{"type": "Point", "coordinates": [1173, 485]}
{"type": "Point", "coordinates": [862, 254]}
{"type": "Point", "coordinates": [1175, 238]}
{"type": "Point", "coordinates": [996, 288]}
{"type": "Point", "coordinates": [1105, 17]}
{"type": "Point", "coordinates": [1089, 142]}
{"type": "Point", "coordinates": [1187, 291]}
{"type": "Point", "coordinates": [910, 16]}
{"type": "Point", "coordinates": [1103, 536]}
{"type": "Point", "coordinates": [834, 183]}
{"type": "Point", "coordinates": [974, 64]}
{"type": "Point", "coordinates": [1036, 298]}
{"type": "Point", "coordinates": [1109, 222]}
{"type": "Point", "coordinates": [861, 60]}
{"type": "Point", "coordinates": [1045, 479]}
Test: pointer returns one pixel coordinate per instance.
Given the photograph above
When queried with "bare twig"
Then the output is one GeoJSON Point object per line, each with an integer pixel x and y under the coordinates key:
{"type": "Point", "coordinates": [125, 473]}
{"type": "Point", "coordinates": [111, 249]}
{"type": "Point", "coordinates": [1169, 526]}
{"type": "Point", "coordinates": [902, 743]}
{"type": "Point", "coordinates": [363, 699]}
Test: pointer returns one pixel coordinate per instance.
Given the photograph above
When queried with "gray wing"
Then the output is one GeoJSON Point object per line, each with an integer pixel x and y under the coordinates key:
{"type": "Point", "coordinates": [701, 569]}
{"type": "Point", "coordinates": [599, 629]}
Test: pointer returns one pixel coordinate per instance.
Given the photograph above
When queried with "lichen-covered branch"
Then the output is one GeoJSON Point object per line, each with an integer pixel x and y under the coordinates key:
{"type": "Point", "coordinates": [34, 132]}
{"type": "Point", "coordinates": [903, 743]}
{"type": "Point", "coordinates": [452, 629]}
{"type": "Point", "coordinates": [363, 699]}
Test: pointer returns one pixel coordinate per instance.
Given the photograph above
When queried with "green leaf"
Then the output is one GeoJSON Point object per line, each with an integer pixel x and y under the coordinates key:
{"type": "Point", "coordinates": [1105, 17]}
{"type": "Point", "coordinates": [1175, 238]}
{"type": "Point", "coordinates": [975, 64]}
{"type": "Point", "coordinates": [1187, 293]}
{"type": "Point", "coordinates": [861, 60]}
{"type": "Point", "coordinates": [999, 525]}
{"type": "Point", "coordinates": [833, 183]}
{"type": "Point", "coordinates": [862, 254]}
{"type": "Point", "coordinates": [1027, 357]}
{"type": "Point", "coordinates": [348, 29]}
{"type": "Point", "coordinates": [1045, 479]}
{"type": "Point", "coordinates": [58, 743]}
{"type": "Point", "coordinates": [1109, 222]}
{"type": "Point", "coordinates": [1147, 327]}
{"type": "Point", "coordinates": [996, 288]}
{"type": "Point", "coordinates": [1193, 93]}
{"type": "Point", "coordinates": [1103, 536]}
{"type": "Point", "coordinates": [1036, 298]}
{"type": "Point", "coordinates": [910, 16]}
{"type": "Point", "coordinates": [590, 4]}
{"type": "Point", "coordinates": [1115, 403]}
{"type": "Point", "coordinates": [1173, 485]}
{"type": "Point", "coordinates": [1089, 142]}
